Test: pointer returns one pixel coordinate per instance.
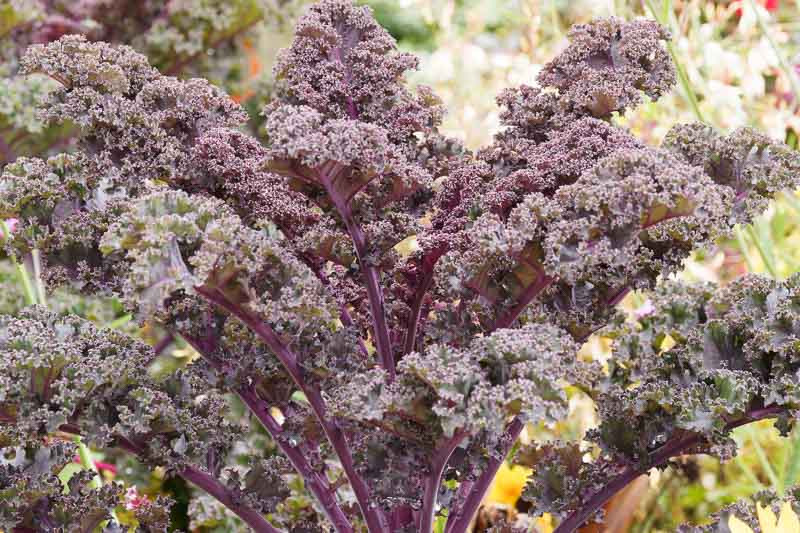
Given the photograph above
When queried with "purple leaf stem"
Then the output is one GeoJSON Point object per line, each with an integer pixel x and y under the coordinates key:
{"type": "Point", "coordinates": [376, 522]}
{"type": "Point", "coordinates": [315, 482]}
{"type": "Point", "coordinates": [460, 517]}
{"type": "Point", "coordinates": [416, 308]}
{"type": "Point", "coordinates": [434, 480]}
{"type": "Point", "coordinates": [532, 291]}
{"type": "Point", "coordinates": [371, 274]}
{"type": "Point", "coordinates": [674, 447]}
{"type": "Point", "coordinates": [221, 493]}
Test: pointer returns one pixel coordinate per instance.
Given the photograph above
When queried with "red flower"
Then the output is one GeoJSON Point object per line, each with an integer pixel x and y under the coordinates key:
{"type": "Point", "coordinates": [769, 5]}
{"type": "Point", "coordinates": [111, 469]}
{"type": "Point", "coordinates": [107, 467]}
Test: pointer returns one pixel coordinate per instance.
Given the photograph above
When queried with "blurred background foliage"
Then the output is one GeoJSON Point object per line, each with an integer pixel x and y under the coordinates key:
{"type": "Point", "coordinates": [738, 64]}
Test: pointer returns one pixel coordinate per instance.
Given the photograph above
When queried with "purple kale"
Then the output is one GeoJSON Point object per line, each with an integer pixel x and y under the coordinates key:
{"type": "Point", "coordinates": [388, 308]}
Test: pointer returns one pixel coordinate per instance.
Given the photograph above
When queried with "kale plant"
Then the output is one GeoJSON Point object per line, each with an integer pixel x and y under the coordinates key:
{"type": "Point", "coordinates": [390, 308]}
{"type": "Point", "coordinates": [202, 38]}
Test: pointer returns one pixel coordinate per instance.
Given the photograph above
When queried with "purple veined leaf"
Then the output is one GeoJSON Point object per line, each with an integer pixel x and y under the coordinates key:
{"type": "Point", "coordinates": [293, 169]}
{"type": "Point", "coordinates": [316, 184]}
{"type": "Point", "coordinates": [660, 213]}
{"type": "Point", "coordinates": [400, 190]}
{"type": "Point", "coordinates": [483, 284]}
{"type": "Point", "coordinates": [518, 286]}
{"type": "Point", "coordinates": [528, 271]}
{"type": "Point", "coordinates": [227, 281]}
{"type": "Point", "coordinates": [327, 250]}
{"type": "Point", "coordinates": [344, 182]}
{"type": "Point", "coordinates": [526, 282]}
{"type": "Point", "coordinates": [42, 380]}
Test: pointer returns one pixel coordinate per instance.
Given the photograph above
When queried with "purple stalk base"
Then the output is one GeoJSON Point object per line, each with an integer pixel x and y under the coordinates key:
{"type": "Point", "coordinates": [460, 518]}
{"type": "Point", "coordinates": [372, 277]}
{"type": "Point", "coordinates": [434, 480]}
{"type": "Point", "coordinates": [220, 492]}
{"type": "Point", "coordinates": [372, 516]}
{"type": "Point", "coordinates": [315, 482]}
{"type": "Point", "coordinates": [672, 448]}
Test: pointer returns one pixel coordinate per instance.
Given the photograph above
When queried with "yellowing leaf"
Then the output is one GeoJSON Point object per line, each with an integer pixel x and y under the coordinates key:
{"type": "Point", "coordinates": [767, 519]}
{"type": "Point", "coordinates": [508, 484]}
{"type": "Point", "coordinates": [737, 526]}
{"type": "Point", "coordinates": [789, 522]}
{"type": "Point", "coordinates": [544, 524]}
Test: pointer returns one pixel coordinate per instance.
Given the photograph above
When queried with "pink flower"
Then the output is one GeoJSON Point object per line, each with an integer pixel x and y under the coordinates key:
{"type": "Point", "coordinates": [10, 223]}
{"type": "Point", "coordinates": [134, 500]}
{"type": "Point", "coordinates": [647, 308]}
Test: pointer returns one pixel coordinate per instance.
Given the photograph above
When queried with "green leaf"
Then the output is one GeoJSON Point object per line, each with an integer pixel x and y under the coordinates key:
{"type": "Point", "coordinates": [438, 526]}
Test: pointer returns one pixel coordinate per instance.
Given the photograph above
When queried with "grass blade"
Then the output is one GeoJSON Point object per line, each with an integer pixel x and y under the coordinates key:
{"type": "Point", "coordinates": [766, 465]}
{"type": "Point", "coordinates": [791, 470]}
{"type": "Point", "coordinates": [663, 19]}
